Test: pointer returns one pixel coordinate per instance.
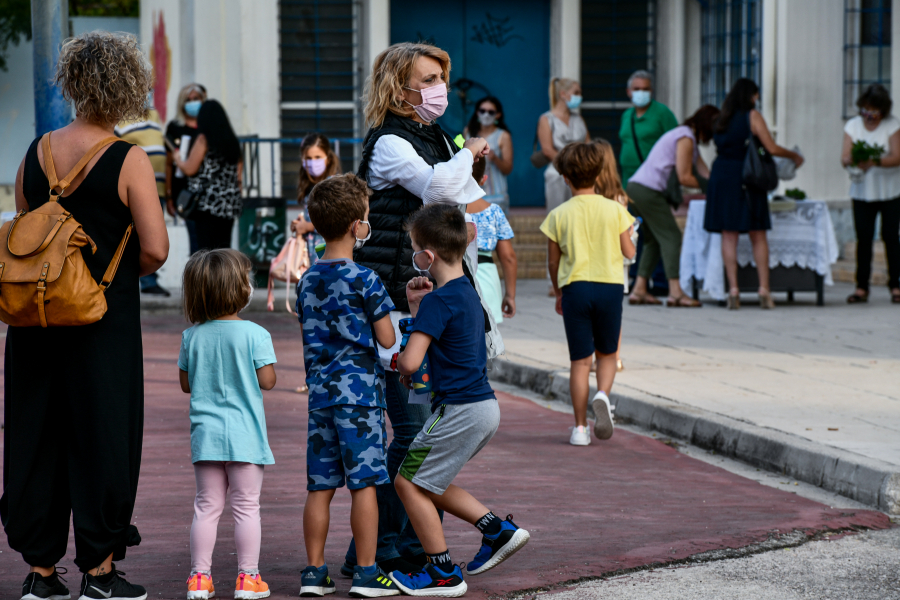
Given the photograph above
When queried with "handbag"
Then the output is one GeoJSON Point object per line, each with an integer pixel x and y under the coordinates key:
{"type": "Point", "coordinates": [290, 264]}
{"type": "Point", "coordinates": [43, 277]}
{"type": "Point", "coordinates": [760, 172]}
{"type": "Point", "coordinates": [538, 159]}
{"type": "Point", "coordinates": [187, 204]}
{"type": "Point", "coordinates": [673, 193]}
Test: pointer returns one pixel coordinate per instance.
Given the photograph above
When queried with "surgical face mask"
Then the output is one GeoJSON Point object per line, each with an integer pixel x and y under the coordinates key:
{"type": "Point", "coordinates": [315, 166]}
{"type": "Point", "coordinates": [192, 108]}
{"type": "Point", "coordinates": [434, 102]}
{"type": "Point", "coordinates": [423, 272]}
{"type": "Point", "coordinates": [487, 117]}
{"type": "Point", "coordinates": [574, 102]}
{"type": "Point", "coordinates": [640, 98]}
{"type": "Point", "coordinates": [360, 242]}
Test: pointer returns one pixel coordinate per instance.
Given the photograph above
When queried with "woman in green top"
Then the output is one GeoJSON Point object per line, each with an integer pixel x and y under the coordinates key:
{"type": "Point", "coordinates": [648, 118]}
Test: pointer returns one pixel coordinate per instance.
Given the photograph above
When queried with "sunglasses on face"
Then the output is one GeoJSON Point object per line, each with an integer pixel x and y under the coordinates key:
{"type": "Point", "coordinates": [869, 114]}
{"type": "Point", "coordinates": [484, 111]}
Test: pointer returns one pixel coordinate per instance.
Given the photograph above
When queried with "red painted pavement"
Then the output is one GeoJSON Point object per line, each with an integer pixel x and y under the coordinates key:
{"type": "Point", "coordinates": [620, 504]}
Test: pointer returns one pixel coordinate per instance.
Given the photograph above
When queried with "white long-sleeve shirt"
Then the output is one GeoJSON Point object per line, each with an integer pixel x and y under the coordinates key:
{"type": "Point", "coordinates": [394, 161]}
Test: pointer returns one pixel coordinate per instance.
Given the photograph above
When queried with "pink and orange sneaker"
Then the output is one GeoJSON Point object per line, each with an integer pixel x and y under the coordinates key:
{"type": "Point", "coordinates": [250, 587]}
{"type": "Point", "coordinates": [200, 587]}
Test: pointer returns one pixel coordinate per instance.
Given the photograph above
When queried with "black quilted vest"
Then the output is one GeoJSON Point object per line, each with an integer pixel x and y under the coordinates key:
{"type": "Point", "coordinates": [389, 251]}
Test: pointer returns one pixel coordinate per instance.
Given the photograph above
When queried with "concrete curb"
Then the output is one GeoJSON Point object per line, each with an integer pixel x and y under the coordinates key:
{"type": "Point", "coordinates": [866, 480]}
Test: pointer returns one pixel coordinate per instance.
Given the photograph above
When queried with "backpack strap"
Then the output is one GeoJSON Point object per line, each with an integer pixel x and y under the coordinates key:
{"type": "Point", "coordinates": [117, 258]}
{"type": "Point", "coordinates": [66, 181]}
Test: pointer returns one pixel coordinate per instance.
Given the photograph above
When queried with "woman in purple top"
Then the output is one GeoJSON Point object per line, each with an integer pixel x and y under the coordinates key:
{"type": "Point", "coordinates": [676, 149]}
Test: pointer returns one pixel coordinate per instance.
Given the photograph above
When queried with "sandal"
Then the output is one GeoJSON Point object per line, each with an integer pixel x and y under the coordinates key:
{"type": "Point", "coordinates": [734, 301]}
{"type": "Point", "coordinates": [766, 302]}
{"type": "Point", "coordinates": [855, 298]}
{"type": "Point", "coordinates": [635, 300]}
{"type": "Point", "coordinates": [895, 297]}
{"type": "Point", "coordinates": [682, 301]}
{"type": "Point", "coordinates": [303, 389]}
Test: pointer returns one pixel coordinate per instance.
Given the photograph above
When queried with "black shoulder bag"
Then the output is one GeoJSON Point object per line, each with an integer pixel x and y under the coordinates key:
{"type": "Point", "coordinates": [759, 173]}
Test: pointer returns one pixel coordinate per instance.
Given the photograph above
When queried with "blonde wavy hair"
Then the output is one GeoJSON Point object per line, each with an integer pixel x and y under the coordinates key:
{"type": "Point", "coordinates": [390, 74]}
{"type": "Point", "coordinates": [557, 85]}
{"type": "Point", "coordinates": [608, 183]}
{"type": "Point", "coordinates": [105, 76]}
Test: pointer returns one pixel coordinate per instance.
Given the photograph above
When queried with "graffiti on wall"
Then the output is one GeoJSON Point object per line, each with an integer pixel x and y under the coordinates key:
{"type": "Point", "coordinates": [161, 59]}
{"type": "Point", "coordinates": [494, 31]}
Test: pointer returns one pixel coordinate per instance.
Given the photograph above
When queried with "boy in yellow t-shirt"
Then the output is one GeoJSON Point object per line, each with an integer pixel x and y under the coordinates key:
{"type": "Point", "coordinates": [589, 237]}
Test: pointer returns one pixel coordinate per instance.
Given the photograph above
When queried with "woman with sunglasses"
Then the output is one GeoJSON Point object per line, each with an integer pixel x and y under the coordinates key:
{"type": "Point", "coordinates": [876, 188]}
{"type": "Point", "coordinates": [487, 122]}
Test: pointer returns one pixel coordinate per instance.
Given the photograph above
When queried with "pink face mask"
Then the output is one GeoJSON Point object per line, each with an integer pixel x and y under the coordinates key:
{"type": "Point", "coordinates": [434, 102]}
{"type": "Point", "coordinates": [315, 166]}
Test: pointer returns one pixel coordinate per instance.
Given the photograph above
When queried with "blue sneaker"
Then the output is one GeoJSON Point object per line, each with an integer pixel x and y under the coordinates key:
{"type": "Point", "coordinates": [497, 548]}
{"type": "Point", "coordinates": [375, 585]}
{"type": "Point", "coordinates": [431, 581]}
{"type": "Point", "coordinates": [315, 582]}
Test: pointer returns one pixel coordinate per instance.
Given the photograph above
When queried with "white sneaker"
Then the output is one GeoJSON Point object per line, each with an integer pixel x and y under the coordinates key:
{"type": "Point", "coordinates": [580, 436]}
{"type": "Point", "coordinates": [603, 417]}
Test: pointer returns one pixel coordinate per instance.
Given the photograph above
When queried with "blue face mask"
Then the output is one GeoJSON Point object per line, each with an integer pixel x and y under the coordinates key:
{"type": "Point", "coordinates": [640, 98]}
{"type": "Point", "coordinates": [574, 102]}
{"type": "Point", "coordinates": [192, 108]}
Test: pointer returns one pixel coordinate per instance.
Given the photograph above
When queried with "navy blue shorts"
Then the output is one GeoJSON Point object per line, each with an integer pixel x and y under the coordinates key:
{"type": "Point", "coordinates": [592, 315]}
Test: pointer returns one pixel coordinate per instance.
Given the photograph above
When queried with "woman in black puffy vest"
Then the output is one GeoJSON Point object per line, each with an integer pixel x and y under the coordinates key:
{"type": "Point", "coordinates": [408, 161]}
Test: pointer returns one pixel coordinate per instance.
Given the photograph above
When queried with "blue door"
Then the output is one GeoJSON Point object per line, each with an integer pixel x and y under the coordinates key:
{"type": "Point", "coordinates": [499, 48]}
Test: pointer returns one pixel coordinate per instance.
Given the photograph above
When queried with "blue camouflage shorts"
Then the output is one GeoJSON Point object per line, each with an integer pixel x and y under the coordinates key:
{"type": "Point", "coordinates": [346, 441]}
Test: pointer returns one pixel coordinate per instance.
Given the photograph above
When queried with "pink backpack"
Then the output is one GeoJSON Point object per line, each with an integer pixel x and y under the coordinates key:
{"type": "Point", "coordinates": [288, 266]}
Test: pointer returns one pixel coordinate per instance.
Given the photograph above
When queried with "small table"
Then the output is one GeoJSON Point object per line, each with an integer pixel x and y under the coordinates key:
{"type": "Point", "coordinates": [802, 248]}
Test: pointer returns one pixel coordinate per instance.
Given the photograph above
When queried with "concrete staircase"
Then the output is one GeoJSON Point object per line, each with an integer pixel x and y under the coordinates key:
{"type": "Point", "coordinates": [845, 268]}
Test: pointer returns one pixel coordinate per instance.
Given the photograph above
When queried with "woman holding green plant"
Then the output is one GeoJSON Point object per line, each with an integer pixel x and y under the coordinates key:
{"type": "Point", "coordinates": [871, 154]}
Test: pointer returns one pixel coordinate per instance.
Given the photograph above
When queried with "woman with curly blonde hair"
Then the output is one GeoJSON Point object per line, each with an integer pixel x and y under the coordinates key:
{"type": "Point", "coordinates": [74, 425]}
{"type": "Point", "coordinates": [408, 161]}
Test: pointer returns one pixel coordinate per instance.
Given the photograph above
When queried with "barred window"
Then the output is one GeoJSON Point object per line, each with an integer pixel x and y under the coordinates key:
{"type": "Point", "coordinates": [867, 48]}
{"type": "Point", "coordinates": [731, 46]}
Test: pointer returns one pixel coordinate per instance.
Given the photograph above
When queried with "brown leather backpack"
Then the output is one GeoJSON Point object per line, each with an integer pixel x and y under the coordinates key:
{"type": "Point", "coordinates": [43, 277]}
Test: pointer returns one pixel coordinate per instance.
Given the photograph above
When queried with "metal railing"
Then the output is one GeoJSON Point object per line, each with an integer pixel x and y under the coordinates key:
{"type": "Point", "coordinates": [265, 158]}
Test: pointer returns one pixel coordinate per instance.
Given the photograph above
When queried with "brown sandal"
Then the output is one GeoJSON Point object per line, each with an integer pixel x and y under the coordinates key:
{"type": "Point", "coordinates": [855, 298]}
{"type": "Point", "coordinates": [895, 298]}
{"type": "Point", "coordinates": [682, 301]}
{"type": "Point", "coordinates": [635, 300]}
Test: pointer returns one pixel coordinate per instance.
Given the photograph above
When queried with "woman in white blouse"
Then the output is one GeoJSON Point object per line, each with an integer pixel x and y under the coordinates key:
{"type": "Point", "coordinates": [408, 161]}
{"type": "Point", "coordinates": [875, 188]}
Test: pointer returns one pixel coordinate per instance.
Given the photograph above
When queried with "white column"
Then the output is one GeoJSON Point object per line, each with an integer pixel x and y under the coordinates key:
{"type": "Point", "coordinates": [565, 38]}
{"type": "Point", "coordinates": [671, 55]}
{"type": "Point", "coordinates": [769, 81]}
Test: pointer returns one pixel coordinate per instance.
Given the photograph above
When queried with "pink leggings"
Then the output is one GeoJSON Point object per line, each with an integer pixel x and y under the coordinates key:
{"type": "Point", "coordinates": [214, 479]}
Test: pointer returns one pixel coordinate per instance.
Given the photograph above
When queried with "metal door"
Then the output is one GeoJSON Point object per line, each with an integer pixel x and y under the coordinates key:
{"type": "Point", "coordinates": [499, 48]}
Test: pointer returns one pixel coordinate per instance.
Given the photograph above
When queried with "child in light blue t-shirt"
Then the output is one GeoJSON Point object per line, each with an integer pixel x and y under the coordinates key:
{"type": "Point", "coordinates": [224, 364]}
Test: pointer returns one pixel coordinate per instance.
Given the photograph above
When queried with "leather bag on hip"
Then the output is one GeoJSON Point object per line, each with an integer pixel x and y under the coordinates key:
{"type": "Point", "coordinates": [43, 277]}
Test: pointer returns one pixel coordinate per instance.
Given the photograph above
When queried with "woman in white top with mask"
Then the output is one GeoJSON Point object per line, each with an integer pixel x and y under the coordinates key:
{"type": "Point", "coordinates": [875, 188]}
{"type": "Point", "coordinates": [557, 127]}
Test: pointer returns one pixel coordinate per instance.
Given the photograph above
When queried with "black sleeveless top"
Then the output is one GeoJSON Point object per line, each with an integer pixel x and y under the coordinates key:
{"type": "Point", "coordinates": [389, 251]}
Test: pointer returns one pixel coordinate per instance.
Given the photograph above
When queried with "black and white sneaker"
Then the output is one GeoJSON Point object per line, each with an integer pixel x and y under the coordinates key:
{"type": "Point", "coordinates": [114, 589]}
{"type": "Point", "coordinates": [38, 587]}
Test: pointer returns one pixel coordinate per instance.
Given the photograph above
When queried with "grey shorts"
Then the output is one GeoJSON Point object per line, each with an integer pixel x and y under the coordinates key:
{"type": "Point", "coordinates": [448, 440]}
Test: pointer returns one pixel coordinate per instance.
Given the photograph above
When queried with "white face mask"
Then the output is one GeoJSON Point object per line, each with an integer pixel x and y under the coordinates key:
{"type": "Point", "coordinates": [360, 242]}
{"type": "Point", "coordinates": [423, 272]}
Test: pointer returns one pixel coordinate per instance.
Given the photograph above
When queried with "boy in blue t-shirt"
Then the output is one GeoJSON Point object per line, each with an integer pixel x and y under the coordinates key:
{"type": "Point", "coordinates": [344, 309]}
{"type": "Point", "coordinates": [449, 327]}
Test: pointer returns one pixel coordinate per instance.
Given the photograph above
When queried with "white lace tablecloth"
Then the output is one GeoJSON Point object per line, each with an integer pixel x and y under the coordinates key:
{"type": "Point", "coordinates": [803, 237]}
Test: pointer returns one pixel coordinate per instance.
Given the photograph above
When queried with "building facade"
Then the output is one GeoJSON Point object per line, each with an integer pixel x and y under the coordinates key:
{"type": "Point", "coordinates": [283, 68]}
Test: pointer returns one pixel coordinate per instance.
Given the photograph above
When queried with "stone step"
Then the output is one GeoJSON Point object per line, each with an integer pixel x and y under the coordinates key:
{"type": "Point", "coordinates": [878, 256]}
{"type": "Point", "coordinates": [526, 236]}
{"type": "Point", "coordinates": [845, 270]}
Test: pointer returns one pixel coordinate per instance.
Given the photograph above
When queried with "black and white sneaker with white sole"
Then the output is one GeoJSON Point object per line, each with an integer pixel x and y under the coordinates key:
{"type": "Point", "coordinates": [117, 588]}
{"type": "Point", "coordinates": [38, 587]}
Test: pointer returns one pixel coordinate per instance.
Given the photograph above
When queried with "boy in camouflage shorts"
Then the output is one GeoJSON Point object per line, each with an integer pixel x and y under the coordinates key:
{"type": "Point", "coordinates": [344, 309]}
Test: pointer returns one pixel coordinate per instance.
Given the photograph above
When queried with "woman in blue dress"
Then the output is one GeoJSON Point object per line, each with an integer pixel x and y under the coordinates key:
{"type": "Point", "coordinates": [732, 209]}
